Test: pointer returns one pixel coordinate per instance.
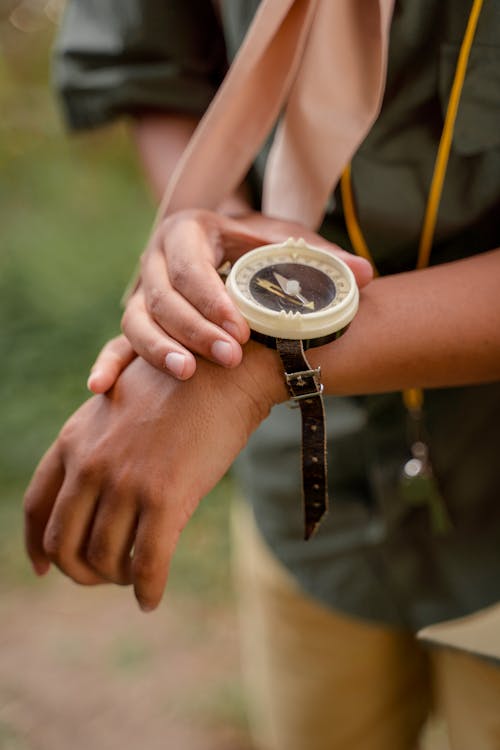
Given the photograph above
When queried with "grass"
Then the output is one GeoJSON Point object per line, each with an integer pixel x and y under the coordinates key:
{"type": "Point", "coordinates": [74, 215]}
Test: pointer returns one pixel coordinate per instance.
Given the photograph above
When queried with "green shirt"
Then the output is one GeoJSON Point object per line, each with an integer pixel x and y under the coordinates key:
{"type": "Point", "coordinates": [376, 555]}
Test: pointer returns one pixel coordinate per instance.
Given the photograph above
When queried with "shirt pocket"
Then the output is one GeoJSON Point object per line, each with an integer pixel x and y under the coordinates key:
{"type": "Point", "coordinates": [477, 127]}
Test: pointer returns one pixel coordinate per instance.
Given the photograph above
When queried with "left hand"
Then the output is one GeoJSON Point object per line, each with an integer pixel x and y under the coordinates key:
{"type": "Point", "coordinates": [111, 496]}
{"type": "Point", "coordinates": [181, 307]}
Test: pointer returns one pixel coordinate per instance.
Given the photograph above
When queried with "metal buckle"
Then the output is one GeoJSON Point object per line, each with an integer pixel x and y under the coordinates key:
{"type": "Point", "coordinates": [290, 377]}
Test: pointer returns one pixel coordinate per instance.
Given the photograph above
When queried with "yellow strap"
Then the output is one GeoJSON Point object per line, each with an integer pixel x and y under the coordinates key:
{"type": "Point", "coordinates": [413, 397]}
{"type": "Point", "coordinates": [353, 229]}
{"type": "Point", "coordinates": [429, 224]}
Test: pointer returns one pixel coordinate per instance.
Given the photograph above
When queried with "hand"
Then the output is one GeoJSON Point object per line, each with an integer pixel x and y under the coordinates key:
{"type": "Point", "coordinates": [181, 307]}
{"type": "Point", "coordinates": [111, 496]}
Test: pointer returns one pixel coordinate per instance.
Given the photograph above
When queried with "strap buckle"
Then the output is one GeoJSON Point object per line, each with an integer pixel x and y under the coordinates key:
{"type": "Point", "coordinates": [298, 379]}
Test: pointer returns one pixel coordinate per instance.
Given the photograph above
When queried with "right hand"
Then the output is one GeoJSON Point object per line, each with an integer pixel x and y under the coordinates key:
{"type": "Point", "coordinates": [181, 307]}
{"type": "Point", "coordinates": [111, 496]}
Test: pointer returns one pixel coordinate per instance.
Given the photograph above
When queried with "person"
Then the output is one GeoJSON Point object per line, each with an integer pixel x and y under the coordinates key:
{"type": "Point", "coordinates": [328, 625]}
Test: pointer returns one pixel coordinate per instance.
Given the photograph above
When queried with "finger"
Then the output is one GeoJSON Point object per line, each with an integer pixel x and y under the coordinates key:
{"type": "Point", "coordinates": [69, 527]}
{"type": "Point", "coordinates": [39, 500]}
{"type": "Point", "coordinates": [278, 231]}
{"type": "Point", "coordinates": [183, 322]}
{"type": "Point", "coordinates": [193, 250]}
{"type": "Point", "coordinates": [177, 312]}
{"type": "Point", "coordinates": [361, 268]}
{"type": "Point", "coordinates": [189, 332]}
{"type": "Point", "coordinates": [156, 539]}
{"type": "Point", "coordinates": [112, 537]}
{"type": "Point", "coordinates": [153, 344]}
{"type": "Point", "coordinates": [111, 361]}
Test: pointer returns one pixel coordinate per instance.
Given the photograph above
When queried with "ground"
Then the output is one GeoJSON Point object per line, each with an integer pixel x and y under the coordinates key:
{"type": "Point", "coordinates": [84, 668]}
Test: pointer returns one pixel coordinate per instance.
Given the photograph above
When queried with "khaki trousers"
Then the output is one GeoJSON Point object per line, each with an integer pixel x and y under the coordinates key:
{"type": "Point", "coordinates": [319, 680]}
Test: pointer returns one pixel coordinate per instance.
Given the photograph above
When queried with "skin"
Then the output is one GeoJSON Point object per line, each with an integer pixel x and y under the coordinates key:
{"type": "Point", "coordinates": [181, 307]}
{"type": "Point", "coordinates": [111, 496]}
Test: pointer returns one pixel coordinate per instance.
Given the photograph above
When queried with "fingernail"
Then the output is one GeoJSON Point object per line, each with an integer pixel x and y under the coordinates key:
{"type": "Point", "coordinates": [174, 362]}
{"type": "Point", "coordinates": [40, 568]}
{"type": "Point", "coordinates": [222, 352]}
{"type": "Point", "coordinates": [232, 329]}
{"type": "Point", "coordinates": [93, 379]}
{"type": "Point", "coordinates": [145, 607]}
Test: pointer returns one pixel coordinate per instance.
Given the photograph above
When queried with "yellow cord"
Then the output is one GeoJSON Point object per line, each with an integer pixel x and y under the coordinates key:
{"type": "Point", "coordinates": [429, 225]}
{"type": "Point", "coordinates": [413, 397]}
{"type": "Point", "coordinates": [353, 229]}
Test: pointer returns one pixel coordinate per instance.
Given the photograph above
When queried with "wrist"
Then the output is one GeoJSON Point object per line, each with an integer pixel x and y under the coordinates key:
{"type": "Point", "coordinates": [263, 371]}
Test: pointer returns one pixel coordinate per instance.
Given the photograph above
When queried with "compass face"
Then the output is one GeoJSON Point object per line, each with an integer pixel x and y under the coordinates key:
{"type": "Point", "coordinates": [293, 290]}
{"type": "Point", "coordinates": [292, 287]}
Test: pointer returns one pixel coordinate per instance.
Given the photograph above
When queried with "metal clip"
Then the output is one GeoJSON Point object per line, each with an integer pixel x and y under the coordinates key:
{"type": "Point", "coordinates": [298, 377]}
{"type": "Point", "coordinates": [291, 376]}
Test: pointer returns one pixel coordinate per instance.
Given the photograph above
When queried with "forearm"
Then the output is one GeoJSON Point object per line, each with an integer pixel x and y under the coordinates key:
{"type": "Point", "coordinates": [432, 328]}
{"type": "Point", "coordinates": [160, 140]}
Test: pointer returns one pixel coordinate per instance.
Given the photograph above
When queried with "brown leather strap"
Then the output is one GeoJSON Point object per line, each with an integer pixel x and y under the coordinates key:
{"type": "Point", "coordinates": [305, 389]}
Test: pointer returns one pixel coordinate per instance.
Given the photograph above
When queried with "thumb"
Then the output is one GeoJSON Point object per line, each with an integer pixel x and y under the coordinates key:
{"type": "Point", "coordinates": [111, 361]}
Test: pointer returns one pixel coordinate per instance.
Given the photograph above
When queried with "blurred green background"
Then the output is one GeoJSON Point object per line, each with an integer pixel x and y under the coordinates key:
{"type": "Point", "coordinates": [74, 214]}
{"type": "Point", "coordinates": [83, 668]}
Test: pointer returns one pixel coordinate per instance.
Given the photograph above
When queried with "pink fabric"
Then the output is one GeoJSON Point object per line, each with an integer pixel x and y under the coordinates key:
{"type": "Point", "coordinates": [321, 61]}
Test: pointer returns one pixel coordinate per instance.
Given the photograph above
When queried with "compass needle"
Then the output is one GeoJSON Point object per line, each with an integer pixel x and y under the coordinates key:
{"type": "Point", "coordinates": [292, 288]}
{"type": "Point", "coordinates": [270, 287]}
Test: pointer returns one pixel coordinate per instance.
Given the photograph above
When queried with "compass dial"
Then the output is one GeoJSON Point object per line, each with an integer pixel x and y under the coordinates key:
{"type": "Point", "coordinates": [292, 287]}
{"type": "Point", "coordinates": [293, 290]}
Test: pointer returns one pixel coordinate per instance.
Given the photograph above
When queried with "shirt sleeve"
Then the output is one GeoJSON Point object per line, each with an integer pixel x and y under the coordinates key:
{"type": "Point", "coordinates": [125, 56]}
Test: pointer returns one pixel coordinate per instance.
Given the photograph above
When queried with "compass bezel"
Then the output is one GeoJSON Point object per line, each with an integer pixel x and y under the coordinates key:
{"type": "Point", "coordinates": [288, 323]}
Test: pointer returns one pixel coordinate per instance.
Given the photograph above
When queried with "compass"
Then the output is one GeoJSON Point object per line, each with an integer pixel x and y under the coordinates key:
{"type": "Point", "coordinates": [295, 296]}
{"type": "Point", "coordinates": [294, 291]}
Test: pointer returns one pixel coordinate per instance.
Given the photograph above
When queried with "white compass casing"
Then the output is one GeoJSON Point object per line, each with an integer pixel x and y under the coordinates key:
{"type": "Point", "coordinates": [293, 290]}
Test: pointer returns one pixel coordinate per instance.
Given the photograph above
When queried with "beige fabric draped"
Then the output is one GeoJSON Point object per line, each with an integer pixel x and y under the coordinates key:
{"type": "Point", "coordinates": [322, 64]}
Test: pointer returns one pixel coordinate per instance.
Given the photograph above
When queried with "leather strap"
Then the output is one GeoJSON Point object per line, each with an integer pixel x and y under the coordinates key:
{"type": "Point", "coordinates": [270, 341]}
{"type": "Point", "coordinates": [305, 389]}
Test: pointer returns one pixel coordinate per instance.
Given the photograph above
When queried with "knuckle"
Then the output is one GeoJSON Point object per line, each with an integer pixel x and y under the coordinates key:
{"type": "Point", "coordinates": [53, 544]}
{"type": "Point", "coordinates": [66, 434]}
{"type": "Point", "coordinates": [155, 353]}
{"type": "Point", "coordinates": [116, 487]}
{"type": "Point", "coordinates": [90, 468]}
{"type": "Point", "coordinates": [149, 499]}
{"type": "Point", "coordinates": [125, 321]}
{"type": "Point", "coordinates": [180, 273]}
{"type": "Point", "coordinates": [155, 301]}
{"type": "Point", "coordinates": [192, 336]}
{"type": "Point", "coordinates": [212, 308]}
{"type": "Point", "coordinates": [98, 554]}
{"type": "Point", "coordinates": [133, 308]}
